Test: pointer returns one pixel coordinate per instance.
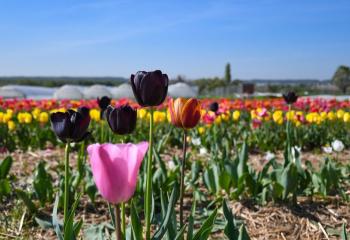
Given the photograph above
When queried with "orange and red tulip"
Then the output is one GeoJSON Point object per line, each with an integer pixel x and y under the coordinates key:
{"type": "Point", "coordinates": [184, 113]}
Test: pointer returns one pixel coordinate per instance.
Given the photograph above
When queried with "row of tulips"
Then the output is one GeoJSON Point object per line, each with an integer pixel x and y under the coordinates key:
{"type": "Point", "coordinates": [265, 128]}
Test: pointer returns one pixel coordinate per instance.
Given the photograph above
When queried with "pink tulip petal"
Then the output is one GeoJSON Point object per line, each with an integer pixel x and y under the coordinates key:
{"type": "Point", "coordinates": [115, 168]}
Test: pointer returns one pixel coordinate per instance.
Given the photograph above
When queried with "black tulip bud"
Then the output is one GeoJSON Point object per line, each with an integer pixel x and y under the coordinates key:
{"type": "Point", "coordinates": [290, 97]}
{"type": "Point", "coordinates": [103, 103]}
{"type": "Point", "coordinates": [122, 119]}
{"type": "Point", "coordinates": [150, 88]}
{"type": "Point", "coordinates": [214, 107]}
{"type": "Point", "coordinates": [71, 125]}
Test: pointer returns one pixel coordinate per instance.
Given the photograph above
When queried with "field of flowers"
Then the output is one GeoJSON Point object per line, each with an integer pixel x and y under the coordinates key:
{"type": "Point", "coordinates": [79, 170]}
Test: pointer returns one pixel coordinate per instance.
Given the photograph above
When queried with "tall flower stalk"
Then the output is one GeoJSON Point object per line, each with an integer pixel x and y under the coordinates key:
{"type": "Point", "coordinates": [70, 126]}
{"type": "Point", "coordinates": [148, 202]}
{"type": "Point", "coordinates": [150, 90]}
{"type": "Point", "coordinates": [185, 114]}
{"type": "Point", "coordinates": [182, 182]}
{"type": "Point", "coordinates": [66, 181]}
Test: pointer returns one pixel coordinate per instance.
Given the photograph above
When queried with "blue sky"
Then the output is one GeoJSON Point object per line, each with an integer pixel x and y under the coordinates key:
{"type": "Point", "coordinates": [273, 39]}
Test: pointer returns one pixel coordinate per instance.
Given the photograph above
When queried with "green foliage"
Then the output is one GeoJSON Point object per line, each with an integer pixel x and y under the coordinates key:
{"type": "Point", "coordinates": [43, 184]}
{"type": "Point", "coordinates": [5, 186]}
{"type": "Point", "coordinates": [228, 73]}
{"type": "Point", "coordinates": [341, 78]}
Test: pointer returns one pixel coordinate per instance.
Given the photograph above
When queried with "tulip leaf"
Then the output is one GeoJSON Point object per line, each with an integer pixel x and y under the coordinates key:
{"type": "Point", "coordinates": [230, 229]}
{"type": "Point", "coordinates": [166, 220]}
{"type": "Point", "coordinates": [42, 184]}
{"type": "Point", "coordinates": [111, 213]}
{"type": "Point", "coordinates": [289, 179]}
{"type": "Point", "coordinates": [172, 226]}
{"type": "Point", "coordinates": [344, 235]}
{"type": "Point", "coordinates": [5, 187]}
{"type": "Point", "coordinates": [191, 221]}
{"type": "Point", "coordinates": [55, 220]}
{"type": "Point", "coordinates": [205, 230]}
{"type": "Point", "coordinates": [242, 166]}
{"type": "Point", "coordinates": [243, 235]}
{"type": "Point", "coordinates": [135, 223]}
{"type": "Point", "coordinates": [27, 201]}
{"type": "Point", "coordinates": [5, 167]}
{"type": "Point", "coordinates": [181, 233]}
{"type": "Point", "coordinates": [69, 229]}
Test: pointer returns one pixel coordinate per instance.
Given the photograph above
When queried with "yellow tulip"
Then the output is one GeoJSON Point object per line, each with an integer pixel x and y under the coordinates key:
{"type": "Point", "coordinates": [142, 113]}
{"type": "Point", "coordinates": [36, 113]}
{"type": "Point", "coordinates": [43, 117]}
{"type": "Point", "coordinates": [11, 125]}
{"type": "Point", "coordinates": [95, 114]}
{"type": "Point", "coordinates": [201, 130]}
{"type": "Point", "coordinates": [346, 117]}
{"type": "Point", "coordinates": [331, 116]}
{"type": "Point", "coordinates": [340, 113]}
{"type": "Point", "coordinates": [236, 115]}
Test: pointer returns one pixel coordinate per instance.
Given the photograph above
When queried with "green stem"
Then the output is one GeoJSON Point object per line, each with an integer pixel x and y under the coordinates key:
{"type": "Point", "coordinates": [123, 218]}
{"type": "Point", "coordinates": [182, 183]}
{"type": "Point", "coordinates": [66, 182]}
{"type": "Point", "coordinates": [289, 153]}
{"type": "Point", "coordinates": [148, 202]}
{"type": "Point", "coordinates": [118, 233]}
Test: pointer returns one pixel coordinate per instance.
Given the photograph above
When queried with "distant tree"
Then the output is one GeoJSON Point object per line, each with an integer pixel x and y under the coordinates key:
{"type": "Point", "coordinates": [341, 78]}
{"type": "Point", "coordinates": [228, 73]}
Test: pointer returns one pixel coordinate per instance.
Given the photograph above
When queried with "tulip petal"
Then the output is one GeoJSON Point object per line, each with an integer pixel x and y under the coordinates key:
{"type": "Point", "coordinates": [61, 125]}
{"type": "Point", "coordinates": [115, 168]}
{"type": "Point", "coordinates": [190, 114]}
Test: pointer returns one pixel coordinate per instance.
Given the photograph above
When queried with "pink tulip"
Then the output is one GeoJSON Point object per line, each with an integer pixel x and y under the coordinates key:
{"type": "Point", "coordinates": [115, 168]}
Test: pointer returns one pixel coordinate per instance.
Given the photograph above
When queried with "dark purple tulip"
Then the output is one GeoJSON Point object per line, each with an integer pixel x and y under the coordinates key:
{"type": "Point", "coordinates": [71, 125]}
{"type": "Point", "coordinates": [214, 107]}
{"type": "Point", "coordinates": [290, 97]}
{"type": "Point", "coordinates": [122, 119]}
{"type": "Point", "coordinates": [150, 88]}
{"type": "Point", "coordinates": [103, 103]}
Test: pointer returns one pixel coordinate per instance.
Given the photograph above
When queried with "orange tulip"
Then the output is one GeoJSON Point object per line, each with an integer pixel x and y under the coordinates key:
{"type": "Point", "coordinates": [184, 113]}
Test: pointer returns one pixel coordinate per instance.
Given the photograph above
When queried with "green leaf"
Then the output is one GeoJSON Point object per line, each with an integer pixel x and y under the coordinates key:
{"type": "Point", "coordinates": [344, 235]}
{"type": "Point", "coordinates": [242, 166]}
{"type": "Point", "coordinates": [243, 235]}
{"type": "Point", "coordinates": [191, 221]}
{"type": "Point", "coordinates": [205, 230]}
{"type": "Point", "coordinates": [135, 222]}
{"type": "Point", "coordinates": [69, 226]}
{"type": "Point", "coordinates": [181, 233]}
{"type": "Point", "coordinates": [230, 230]}
{"type": "Point", "coordinates": [55, 220]}
{"type": "Point", "coordinates": [27, 201]}
{"type": "Point", "coordinates": [171, 206]}
{"type": "Point", "coordinates": [45, 222]}
{"type": "Point", "coordinates": [5, 167]}
{"type": "Point", "coordinates": [42, 184]}
{"type": "Point", "coordinates": [289, 179]}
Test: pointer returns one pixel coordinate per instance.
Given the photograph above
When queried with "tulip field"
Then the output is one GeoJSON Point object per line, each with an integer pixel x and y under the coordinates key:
{"type": "Point", "coordinates": [162, 168]}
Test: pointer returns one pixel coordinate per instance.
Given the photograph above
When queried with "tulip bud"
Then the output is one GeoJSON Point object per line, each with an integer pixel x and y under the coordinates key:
{"type": "Point", "coordinates": [185, 113]}
{"type": "Point", "coordinates": [71, 125]}
{"type": "Point", "coordinates": [122, 119]}
{"type": "Point", "coordinates": [103, 103]}
{"type": "Point", "coordinates": [290, 97]}
{"type": "Point", "coordinates": [214, 107]}
{"type": "Point", "coordinates": [150, 88]}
